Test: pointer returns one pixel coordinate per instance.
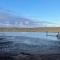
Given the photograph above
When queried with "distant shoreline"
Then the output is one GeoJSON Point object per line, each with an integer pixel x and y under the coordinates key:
{"type": "Point", "coordinates": [40, 29]}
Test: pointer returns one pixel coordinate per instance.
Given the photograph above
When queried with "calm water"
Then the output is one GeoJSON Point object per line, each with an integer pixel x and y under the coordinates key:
{"type": "Point", "coordinates": [33, 42]}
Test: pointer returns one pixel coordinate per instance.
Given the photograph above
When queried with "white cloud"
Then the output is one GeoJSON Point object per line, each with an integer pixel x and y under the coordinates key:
{"type": "Point", "coordinates": [8, 17]}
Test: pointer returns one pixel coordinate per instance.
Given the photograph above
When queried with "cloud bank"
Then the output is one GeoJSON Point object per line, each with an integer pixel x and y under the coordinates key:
{"type": "Point", "coordinates": [9, 20]}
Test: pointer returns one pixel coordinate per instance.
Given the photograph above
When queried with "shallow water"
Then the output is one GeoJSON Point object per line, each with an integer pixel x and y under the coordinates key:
{"type": "Point", "coordinates": [33, 42]}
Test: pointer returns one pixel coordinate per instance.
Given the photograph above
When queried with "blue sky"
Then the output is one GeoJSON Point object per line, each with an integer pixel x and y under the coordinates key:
{"type": "Point", "coordinates": [47, 10]}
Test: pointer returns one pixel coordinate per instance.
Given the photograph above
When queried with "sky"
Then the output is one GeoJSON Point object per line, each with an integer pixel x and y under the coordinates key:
{"type": "Point", "coordinates": [47, 10]}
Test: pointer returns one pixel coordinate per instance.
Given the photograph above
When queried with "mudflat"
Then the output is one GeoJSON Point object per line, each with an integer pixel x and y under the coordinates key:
{"type": "Point", "coordinates": [25, 56]}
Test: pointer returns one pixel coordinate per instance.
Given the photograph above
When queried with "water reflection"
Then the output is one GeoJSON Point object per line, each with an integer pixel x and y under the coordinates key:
{"type": "Point", "coordinates": [32, 42]}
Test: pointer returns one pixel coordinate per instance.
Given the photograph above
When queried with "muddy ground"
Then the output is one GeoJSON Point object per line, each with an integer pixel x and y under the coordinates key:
{"type": "Point", "coordinates": [27, 56]}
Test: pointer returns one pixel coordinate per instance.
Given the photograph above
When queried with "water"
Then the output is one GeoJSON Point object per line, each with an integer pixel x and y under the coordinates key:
{"type": "Point", "coordinates": [33, 42]}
